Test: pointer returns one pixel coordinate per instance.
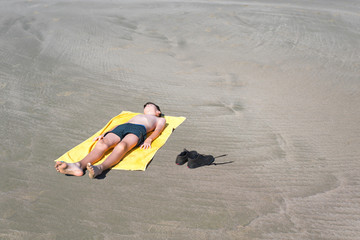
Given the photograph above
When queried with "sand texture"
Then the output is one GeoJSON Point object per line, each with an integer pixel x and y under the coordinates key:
{"type": "Point", "coordinates": [273, 85]}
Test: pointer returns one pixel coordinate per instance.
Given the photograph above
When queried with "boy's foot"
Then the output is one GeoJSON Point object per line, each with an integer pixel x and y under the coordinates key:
{"type": "Point", "coordinates": [69, 168]}
{"type": "Point", "coordinates": [94, 171]}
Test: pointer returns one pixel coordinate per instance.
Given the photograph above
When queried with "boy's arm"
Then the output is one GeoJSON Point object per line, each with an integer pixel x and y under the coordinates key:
{"type": "Point", "coordinates": [158, 129]}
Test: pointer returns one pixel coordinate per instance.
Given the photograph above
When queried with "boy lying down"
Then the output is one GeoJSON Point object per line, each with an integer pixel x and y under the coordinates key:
{"type": "Point", "coordinates": [122, 139]}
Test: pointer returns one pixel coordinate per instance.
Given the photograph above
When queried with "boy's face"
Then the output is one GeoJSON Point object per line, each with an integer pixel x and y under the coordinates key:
{"type": "Point", "coordinates": [152, 110]}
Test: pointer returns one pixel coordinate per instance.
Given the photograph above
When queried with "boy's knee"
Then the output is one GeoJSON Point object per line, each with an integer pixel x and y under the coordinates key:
{"type": "Point", "coordinates": [104, 143]}
{"type": "Point", "coordinates": [123, 146]}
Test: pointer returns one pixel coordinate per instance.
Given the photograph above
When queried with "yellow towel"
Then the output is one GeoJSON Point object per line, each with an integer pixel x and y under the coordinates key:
{"type": "Point", "coordinates": [136, 159]}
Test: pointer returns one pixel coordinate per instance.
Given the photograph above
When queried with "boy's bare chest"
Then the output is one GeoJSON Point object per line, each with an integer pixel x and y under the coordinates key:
{"type": "Point", "coordinates": [147, 120]}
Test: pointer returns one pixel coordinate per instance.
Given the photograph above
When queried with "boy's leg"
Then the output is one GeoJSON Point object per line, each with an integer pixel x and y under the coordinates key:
{"type": "Point", "coordinates": [125, 145]}
{"type": "Point", "coordinates": [77, 169]}
{"type": "Point", "coordinates": [103, 145]}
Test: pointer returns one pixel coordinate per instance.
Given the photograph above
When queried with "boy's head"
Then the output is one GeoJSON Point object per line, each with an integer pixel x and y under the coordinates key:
{"type": "Point", "coordinates": [152, 108]}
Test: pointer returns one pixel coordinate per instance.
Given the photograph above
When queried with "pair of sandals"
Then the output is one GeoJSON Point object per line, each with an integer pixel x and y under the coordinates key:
{"type": "Point", "coordinates": [194, 159]}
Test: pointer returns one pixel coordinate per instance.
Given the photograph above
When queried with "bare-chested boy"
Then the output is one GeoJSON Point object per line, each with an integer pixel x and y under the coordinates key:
{"type": "Point", "coordinates": [122, 138]}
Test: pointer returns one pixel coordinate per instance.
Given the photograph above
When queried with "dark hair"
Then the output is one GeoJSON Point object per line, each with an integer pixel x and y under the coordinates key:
{"type": "Point", "coordinates": [157, 107]}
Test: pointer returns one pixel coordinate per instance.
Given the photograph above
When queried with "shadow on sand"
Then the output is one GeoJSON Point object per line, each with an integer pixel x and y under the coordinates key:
{"type": "Point", "coordinates": [104, 173]}
{"type": "Point", "coordinates": [221, 163]}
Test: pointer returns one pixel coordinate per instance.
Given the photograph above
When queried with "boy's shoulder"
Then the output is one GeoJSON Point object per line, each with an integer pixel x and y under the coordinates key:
{"type": "Point", "coordinates": [160, 119]}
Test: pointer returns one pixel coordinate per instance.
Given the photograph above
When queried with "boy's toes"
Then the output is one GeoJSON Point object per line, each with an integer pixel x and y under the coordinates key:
{"type": "Point", "coordinates": [90, 168]}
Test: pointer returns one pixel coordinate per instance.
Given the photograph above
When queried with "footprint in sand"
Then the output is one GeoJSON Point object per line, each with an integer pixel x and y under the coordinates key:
{"type": "Point", "coordinates": [3, 85]}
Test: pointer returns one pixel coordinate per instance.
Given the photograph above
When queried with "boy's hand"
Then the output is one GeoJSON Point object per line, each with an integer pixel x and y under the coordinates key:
{"type": "Point", "coordinates": [146, 144]}
{"type": "Point", "coordinates": [98, 138]}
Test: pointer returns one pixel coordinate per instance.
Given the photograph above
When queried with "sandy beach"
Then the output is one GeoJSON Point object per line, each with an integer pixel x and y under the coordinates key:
{"type": "Point", "coordinates": [270, 88]}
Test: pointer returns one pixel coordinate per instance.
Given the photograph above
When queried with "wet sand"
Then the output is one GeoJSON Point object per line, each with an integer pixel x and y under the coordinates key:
{"type": "Point", "coordinates": [273, 85]}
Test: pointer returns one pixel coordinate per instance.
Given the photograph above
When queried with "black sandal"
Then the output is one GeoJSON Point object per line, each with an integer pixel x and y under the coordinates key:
{"type": "Point", "coordinates": [199, 160]}
{"type": "Point", "coordinates": [182, 158]}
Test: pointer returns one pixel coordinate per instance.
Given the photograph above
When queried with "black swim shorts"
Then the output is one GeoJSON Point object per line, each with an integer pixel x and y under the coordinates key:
{"type": "Point", "coordinates": [126, 128]}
